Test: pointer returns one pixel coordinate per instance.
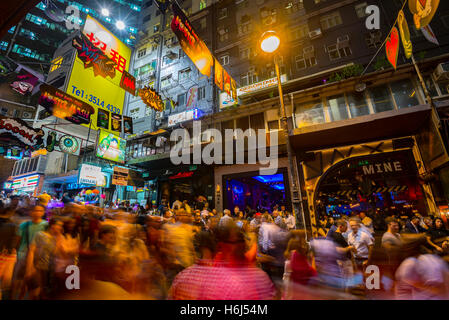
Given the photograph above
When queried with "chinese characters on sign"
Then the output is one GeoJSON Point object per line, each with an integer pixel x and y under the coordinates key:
{"type": "Point", "coordinates": [94, 58]}
{"type": "Point", "coordinates": [152, 99]}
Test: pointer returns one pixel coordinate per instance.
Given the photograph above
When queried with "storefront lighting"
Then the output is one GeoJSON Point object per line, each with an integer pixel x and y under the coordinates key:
{"type": "Point", "coordinates": [105, 12]}
{"type": "Point", "coordinates": [270, 42]}
{"type": "Point", "coordinates": [120, 25]}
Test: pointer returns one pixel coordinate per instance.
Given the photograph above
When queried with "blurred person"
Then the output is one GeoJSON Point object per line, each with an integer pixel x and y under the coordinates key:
{"type": "Point", "coordinates": [290, 220]}
{"type": "Point", "coordinates": [176, 204]}
{"type": "Point", "coordinates": [277, 217]}
{"type": "Point", "coordinates": [421, 276]}
{"type": "Point", "coordinates": [187, 207]}
{"type": "Point", "coordinates": [298, 269]}
{"type": "Point", "coordinates": [413, 226]}
{"type": "Point", "coordinates": [8, 254]}
{"type": "Point", "coordinates": [438, 236]}
{"type": "Point", "coordinates": [367, 221]}
{"type": "Point", "coordinates": [177, 244]}
{"type": "Point", "coordinates": [427, 223]}
{"type": "Point", "coordinates": [345, 261]}
{"type": "Point", "coordinates": [363, 244]}
{"type": "Point", "coordinates": [103, 252]}
{"type": "Point", "coordinates": [40, 260]}
{"type": "Point", "coordinates": [325, 261]}
{"type": "Point", "coordinates": [256, 221]}
{"type": "Point", "coordinates": [236, 211]}
{"type": "Point", "coordinates": [227, 277]}
{"type": "Point", "coordinates": [392, 243]}
{"type": "Point", "coordinates": [227, 218]}
{"type": "Point", "coordinates": [26, 233]}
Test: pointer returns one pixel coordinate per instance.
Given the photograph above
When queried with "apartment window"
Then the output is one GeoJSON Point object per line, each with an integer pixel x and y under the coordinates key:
{"type": "Point", "coordinates": [245, 26]}
{"type": "Point", "coordinates": [146, 18]}
{"type": "Point", "coordinates": [339, 50]}
{"type": "Point", "coordinates": [306, 59]}
{"type": "Point", "coordinates": [309, 113]}
{"type": "Point", "coordinates": [381, 98]}
{"type": "Point", "coordinates": [201, 93]}
{"type": "Point", "coordinates": [165, 82]}
{"type": "Point", "coordinates": [404, 93]}
{"type": "Point", "coordinates": [357, 104]}
{"type": "Point", "coordinates": [337, 108]}
{"type": "Point", "coordinates": [249, 78]}
{"type": "Point", "coordinates": [184, 74]}
{"type": "Point", "coordinates": [331, 20]}
{"type": "Point", "coordinates": [141, 53]}
{"type": "Point", "coordinates": [374, 39]}
{"type": "Point", "coordinates": [3, 45]}
{"type": "Point", "coordinates": [300, 32]}
{"type": "Point", "coordinates": [181, 99]}
{"type": "Point", "coordinates": [245, 53]}
{"type": "Point", "coordinates": [223, 13]}
{"type": "Point", "coordinates": [223, 33]}
{"type": "Point", "coordinates": [167, 60]}
{"type": "Point", "coordinates": [156, 28]}
{"type": "Point", "coordinates": [294, 6]}
{"type": "Point", "coordinates": [360, 10]}
{"type": "Point", "coordinates": [224, 60]}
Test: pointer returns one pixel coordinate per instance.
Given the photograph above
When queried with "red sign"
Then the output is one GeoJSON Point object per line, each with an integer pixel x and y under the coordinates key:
{"type": "Point", "coordinates": [128, 83]}
{"type": "Point", "coordinates": [182, 175]}
{"type": "Point", "coordinates": [392, 47]}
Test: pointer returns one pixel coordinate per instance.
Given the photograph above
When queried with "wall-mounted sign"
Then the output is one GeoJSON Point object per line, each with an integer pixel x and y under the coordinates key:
{"type": "Point", "coordinates": [116, 122]}
{"type": "Point", "coordinates": [405, 35]}
{"type": "Point", "coordinates": [182, 175]}
{"type": "Point", "coordinates": [75, 186]}
{"type": "Point", "coordinates": [226, 100]}
{"type": "Point", "coordinates": [192, 97]}
{"type": "Point", "coordinates": [218, 75]}
{"type": "Point", "coordinates": [188, 115]}
{"type": "Point", "coordinates": [152, 99]}
{"type": "Point", "coordinates": [111, 147]}
{"type": "Point", "coordinates": [24, 82]}
{"type": "Point", "coordinates": [64, 106]}
{"type": "Point", "coordinates": [120, 176]}
{"type": "Point", "coordinates": [392, 47]}
{"type": "Point", "coordinates": [19, 130]}
{"type": "Point", "coordinates": [92, 175]}
{"type": "Point", "coordinates": [7, 185]}
{"type": "Point", "coordinates": [98, 92]}
{"type": "Point", "coordinates": [40, 152]}
{"type": "Point", "coordinates": [192, 45]}
{"type": "Point", "coordinates": [128, 125]}
{"type": "Point", "coordinates": [261, 85]}
{"type": "Point", "coordinates": [59, 141]}
{"type": "Point", "coordinates": [128, 83]}
{"type": "Point", "coordinates": [14, 154]}
{"type": "Point", "coordinates": [103, 119]}
{"type": "Point", "coordinates": [26, 182]}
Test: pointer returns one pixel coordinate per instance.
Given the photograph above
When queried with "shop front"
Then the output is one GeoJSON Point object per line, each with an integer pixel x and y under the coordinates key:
{"type": "Point", "coordinates": [30, 185]}
{"type": "Point", "coordinates": [245, 185]}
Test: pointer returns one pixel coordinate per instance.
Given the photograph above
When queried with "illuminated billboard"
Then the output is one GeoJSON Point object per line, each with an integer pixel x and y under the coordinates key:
{"type": "Point", "coordinates": [102, 93]}
{"type": "Point", "coordinates": [111, 147]}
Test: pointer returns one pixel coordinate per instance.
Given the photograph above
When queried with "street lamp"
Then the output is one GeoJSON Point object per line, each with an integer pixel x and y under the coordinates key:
{"type": "Point", "coordinates": [105, 12]}
{"type": "Point", "coordinates": [270, 43]}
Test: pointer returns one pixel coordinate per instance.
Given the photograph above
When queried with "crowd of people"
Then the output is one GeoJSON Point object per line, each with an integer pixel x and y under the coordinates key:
{"type": "Point", "coordinates": [187, 251]}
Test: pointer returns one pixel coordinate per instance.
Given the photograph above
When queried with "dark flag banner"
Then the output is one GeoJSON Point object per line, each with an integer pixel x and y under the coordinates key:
{"type": "Point", "coordinates": [218, 75]}
{"type": "Point", "coordinates": [116, 122]}
{"type": "Point", "coordinates": [103, 119]}
{"type": "Point", "coordinates": [128, 125]}
{"type": "Point", "coordinates": [192, 45]}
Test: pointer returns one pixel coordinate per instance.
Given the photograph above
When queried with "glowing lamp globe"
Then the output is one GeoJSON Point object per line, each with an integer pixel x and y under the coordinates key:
{"type": "Point", "coordinates": [270, 42]}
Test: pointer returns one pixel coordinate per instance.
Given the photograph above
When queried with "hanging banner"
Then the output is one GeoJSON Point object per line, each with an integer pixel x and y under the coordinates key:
{"type": "Point", "coordinates": [19, 130]}
{"type": "Point", "coordinates": [128, 125]}
{"type": "Point", "coordinates": [111, 147]}
{"type": "Point", "coordinates": [405, 35]}
{"type": "Point", "coordinates": [128, 83]}
{"type": "Point", "coordinates": [218, 75]}
{"type": "Point", "coordinates": [116, 122]}
{"type": "Point", "coordinates": [423, 11]}
{"type": "Point", "coordinates": [430, 35]}
{"type": "Point", "coordinates": [64, 106]}
{"type": "Point", "coordinates": [59, 141]}
{"type": "Point", "coordinates": [93, 57]}
{"type": "Point", "coordinates": [103, 119]}
{"type": "Point", "coordinates": [192, 45]}
{"type": "Point", "coordinates": [227, 82]}
{"type": "Point", "coordinates": [392, 47]}
{"type": "Point", "coordinates": [152, 99]}
{"type": "Point", "coordinates": [192, 98]}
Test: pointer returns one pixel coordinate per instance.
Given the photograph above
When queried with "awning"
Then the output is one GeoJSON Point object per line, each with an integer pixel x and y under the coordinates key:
{"type": "Point", "coordinates": [380, 126]}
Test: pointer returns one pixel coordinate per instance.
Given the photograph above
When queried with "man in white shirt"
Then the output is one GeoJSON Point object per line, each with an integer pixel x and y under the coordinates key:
{"type": "Point", "coordinates": [290, 221]}
{"type": "Point", "coordinates": [362, 242]}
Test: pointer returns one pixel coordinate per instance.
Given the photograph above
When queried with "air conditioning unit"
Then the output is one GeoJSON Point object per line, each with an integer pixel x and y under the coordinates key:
{"type": "Point", "coordinates": [315, 33]}
{"type": "Point", "coordinates": [441, 73]}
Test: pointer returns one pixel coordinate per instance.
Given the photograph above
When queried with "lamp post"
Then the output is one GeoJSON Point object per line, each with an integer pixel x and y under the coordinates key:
{"type": "Point", "coordinates": [269, 44]}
